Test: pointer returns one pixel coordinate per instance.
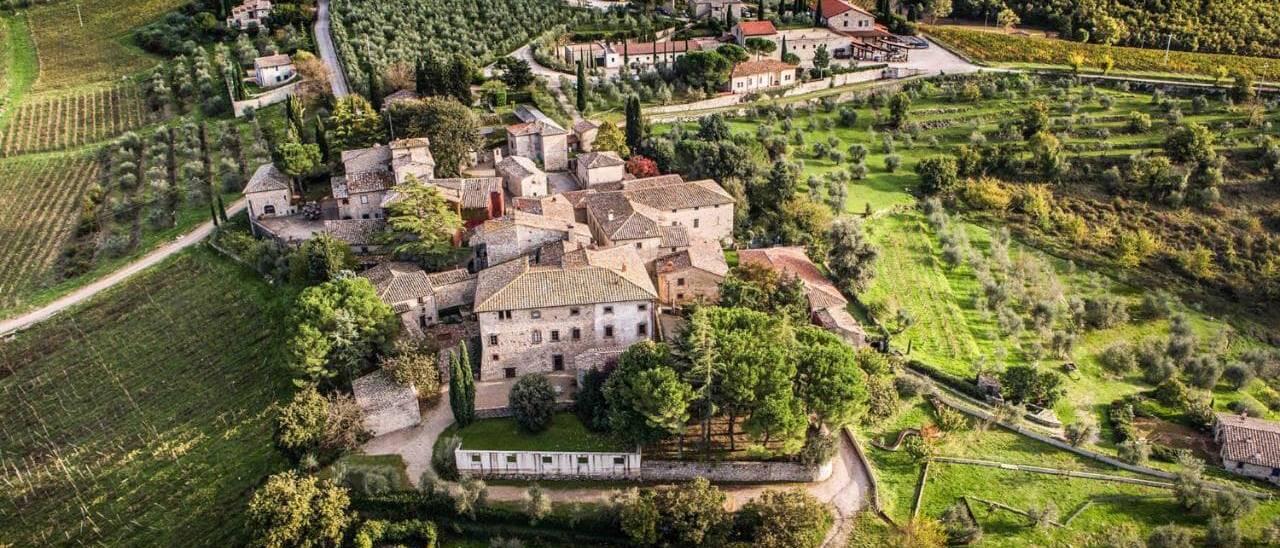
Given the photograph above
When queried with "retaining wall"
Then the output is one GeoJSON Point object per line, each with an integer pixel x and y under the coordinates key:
{"type": "Point", "coordinates": [266, 99]}
{"type": "Point", "coordinates": [559, 465]}
{"type": "Point", "coordinates": [503, 412]}
{"type": "Point", "coordinates": [735, 471]}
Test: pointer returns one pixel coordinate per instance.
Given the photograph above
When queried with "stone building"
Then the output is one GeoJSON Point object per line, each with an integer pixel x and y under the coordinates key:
{"type": "Point", "coordinates": [753, 29]}
{"type": "Point", "coordinates": [658, 213]}
{"type": "Point", "coordinates": [717, 9]}
{"type": "Point", "coordinates": [269, 193]}
{"type": "Point", "coordinates": [537, 318]}
{"type": "Point", "coordinates": [1248, 446]}
{"type": "Point", "coordinates": [522, 177]}
{"type": "Point", "coordinates": [497, 241]}
{"type": "Point", "coordinates": [385, 405]}
{"type": "Point", "coordinates": [249, 15]}
{"type": "Point", "coordinates": [827, 306]}
{"type": "Point", "coordinates": [845, 16]}
{"type": "Point", "coordinates": [584, 135]}
{"type": "Point", "coordinates": [363, 235]}
{"type": "Point", "coordinates": [692, 275]}
{"type": "Point", "coordinates": [418, 297]}
{"type": "Point", "coordinates": [597, 168]}
{"type": "Point", "coordinates": [412, 157]}
{"type": "Point", "coordinates": [538, 138]}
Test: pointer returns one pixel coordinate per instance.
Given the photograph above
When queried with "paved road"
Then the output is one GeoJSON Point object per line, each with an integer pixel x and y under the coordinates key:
{"type": "Point", "coordinates": [328, 53]}
{"type": "Point", "coordinates": [84, 293]}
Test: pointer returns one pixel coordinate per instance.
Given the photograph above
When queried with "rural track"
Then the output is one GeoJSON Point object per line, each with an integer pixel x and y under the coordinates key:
{"type": "Point", "coordinates": [152, 258]}
{"type": "Point", "coordinates": [328, 53]}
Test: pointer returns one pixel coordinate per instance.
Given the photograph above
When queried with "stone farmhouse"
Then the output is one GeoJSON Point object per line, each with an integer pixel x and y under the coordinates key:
{"type": "Point", "coordinates": [522, 177]}
{"type": "Point", "coordinates": [1248, 446]}
{"type": "Point", "coordinates": [691, 275]}
{"type": "Point", "coordinates": [827, 306]}
{"type": "Point", "coordinates": [844, 16]}
{"type": "Point", "coordinates": [597, 168]}
{"type": "Point", "coordinates": [761, 75]}
{"type": "Point", "coordinates": [273, 70]}
{"type": "Point", "coordinates": [249, 15]}
{"type": "Point", "coordinates": [753, 29]}
{"type": "Point", "coordinates": [658, 213]}
{"type": "Point", "coordinates": [270, 193]}
{"type": "Point", "coordinates": [385, 405]}
{"type": "Point", "coordinates": [539, 138]}
{"type": "Point", "coordinates": [497, 241]}
{"type": "Point", "coordinates": [870, 40]}
{"type": "Point", "coordinates": [584, 135]}
{"type": "Point", "coordinates": [419, 297]}
{"type": "Point", "coordinates": [537, 318]}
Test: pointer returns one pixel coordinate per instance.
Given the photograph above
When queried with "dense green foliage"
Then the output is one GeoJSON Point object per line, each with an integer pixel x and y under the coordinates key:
{"type": "Point", "coordinates": [373, 35]}
{"type": "Point", "coordinates": [1247, 27]}
{"type": "Point", "coordinates": [533, 402]}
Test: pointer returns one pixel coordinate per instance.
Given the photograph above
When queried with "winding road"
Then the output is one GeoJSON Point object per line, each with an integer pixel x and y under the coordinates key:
{"type": "Point", "coordinates": [328, 53]}
{"type": "Point", "coordinates": [154, 257]}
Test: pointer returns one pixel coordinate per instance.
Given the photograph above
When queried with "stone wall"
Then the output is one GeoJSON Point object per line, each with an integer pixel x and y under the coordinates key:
{"type": "Point", "coordinates": [266, 99]}
{"type": "Point", "coordinates": [503, 412]}
{"type": "Point", "coordinates": [734, 471]}
{"type": "Point", "coordinates": [560, 465]}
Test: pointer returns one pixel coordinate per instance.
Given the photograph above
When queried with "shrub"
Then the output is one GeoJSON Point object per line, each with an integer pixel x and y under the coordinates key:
{"type": "Point", "coordinates": [1170, 536]}
{"type": "Point", "coordinates": [892, 162]}
{"type": "Point", "coordinates": [1247, 407]}
{"type": "Point", "coordinates": [1204, 371]}
{"type": "Point", "coordinates": [818, 448]}
{"type": "Point", "coordinates": [442, 458]}
{"type": "Point", "coordinates": [533, 402]}
{"type": "Point", "coordinates": [986, 194]}
{"type": "Point", "coordinates": [1156, 304]}
{"type": "Point", "coordinates": [883, 400]}
{"type": "Point", "coordinates": [951, 420]}
{"type": "Point", "coordinates": [1171, 392]}
{"type": "Point", "coordinates": [960, 526]}
{"type": "Point", "coordinates": [413, 365]}
{"type": "Point", "coordinates": [1119, 358]}
{"type": "Point", "coordinates": [1105, 312]}
{"type": "Point", "coordinates": [1082, 432]}
{"type": "Point", "coordinates": [909, 387]}
{"type": "Point", "coordinates": [1238, 375]}
{"type": "Point", "coordinates": [1134, 451]}
{"type": "Point", "coordinates": [937, 175]}
{"type": "Point", "coordinates": [785, 519]}
{"type": "Point", "coordinates": [1223, 533]}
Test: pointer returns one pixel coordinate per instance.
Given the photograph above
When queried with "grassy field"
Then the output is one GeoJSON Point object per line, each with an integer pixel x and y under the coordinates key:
{"type": "Point", "coordinates": [39, 202]}
{"type": "Point", "coordinates": [99, 50]}
{"type": "Point", "coordinates": [144, 417]}
{"type": "Point", "coordinates": [998, 47]}
{"type": "Point", "coordinates": [566, 433]}
{"type": "Point", "coordinates": [1112, 503]}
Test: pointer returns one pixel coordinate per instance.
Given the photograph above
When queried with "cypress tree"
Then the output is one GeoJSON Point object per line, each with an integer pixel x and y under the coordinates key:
{"type": "Point", "coordinates": [375, 88]}
{"type": "Point", "coordinates": [762, 8]}
{"type": "Point", "coordinates": [222, 208]}
{"type": "Point", "coordinates": [322, 139]}
{"type": "Point", "coordinates": [582, 87]}
{"type": "Point", "coordinates": [459, 80]}
{"type": "Point", "coordinates": [635, 125]}
{"type": "Point", "coordinates": [784, 48]}
{"type": "Point", "coordinates": [817, 13]}
{"type": "Point", "coordinates": [462, 389]}
{"type": "Point", "coordinates": [728, 18]}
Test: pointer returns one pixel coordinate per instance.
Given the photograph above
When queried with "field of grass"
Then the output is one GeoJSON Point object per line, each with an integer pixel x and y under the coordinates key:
{"type": "Point", "coordinates": [18, 64]}
{"type": "Point", "coordinates": [39, 206]}
{"type": "Point", "coordinates": [1112, 503]}
{"type": "Point", "coordinates": [143, 418]}
{"type": "Point", "coordinates": [997, 47]}
{"type": "Point", "coordinates": [566, 433]}
{"type": "Point", "coordinates": [99, 50]}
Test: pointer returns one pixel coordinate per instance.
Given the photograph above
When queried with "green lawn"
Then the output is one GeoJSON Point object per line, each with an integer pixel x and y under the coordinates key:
{"type": "Point", "coordinates": [1113, 503]}
{"type": "Point", "coordinates": [566, 433]}
{"type": "Point", "coordinates": [144, 418]}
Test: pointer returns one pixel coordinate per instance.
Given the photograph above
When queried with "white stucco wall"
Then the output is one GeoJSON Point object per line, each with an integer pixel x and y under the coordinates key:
{"type": "Point", "coordinates": [547, 464]}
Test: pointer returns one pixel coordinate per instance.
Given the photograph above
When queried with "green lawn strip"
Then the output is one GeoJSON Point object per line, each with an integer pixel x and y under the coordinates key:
{"type": "Point", "coordinates": [566, 433]}
{"type": "Point", "coordinates": [20, 65]}
{"type": "Point", "coordinates": [159, 392]}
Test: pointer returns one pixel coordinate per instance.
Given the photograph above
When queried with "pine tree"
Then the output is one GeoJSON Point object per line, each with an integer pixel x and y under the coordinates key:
{"type": "Point", "coordinates": [582, 88]}
{"type": "Point", "coordinates": [635, 125]}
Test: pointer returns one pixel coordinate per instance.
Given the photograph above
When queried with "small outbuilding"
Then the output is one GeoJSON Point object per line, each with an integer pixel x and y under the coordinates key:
{"type": "Point", "coordinates": [387, 406]}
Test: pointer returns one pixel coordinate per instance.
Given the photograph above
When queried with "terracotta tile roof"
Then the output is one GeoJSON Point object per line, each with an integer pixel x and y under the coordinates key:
{"type": "Point", "coordinates": [673, 236]}
{"type": "Point", "coordinates": [673, 192]}
{"type": "Point", "coordinates": [1249, 440]}
{"type": "Point", "coordinates": [593, 160]}
{"type": "Point", "coordinates": [832, 8]}
{"type": "Point", "coordinates": [369, 181]}
{"type": "Point", "coordinates": [613, 212]}
{"type": "Point", "coordinates": [517, 284]}
{"type": "Point", "coordinates": [267, 178]}
{"type": "Point", "coordinates": [703, 255]}
{"type": "Point", "coordinates": [278, 60]}
{"type": "Point", "coordinates": [761, 66]}
{"type": "Point", "coordinates": [584, 125]}
{"type": "Point", "coordinates": [517, 166]}
{"type": "Point", "coordinates": [793, 261]}
{"type": "Point", "coordinates": [839, 320]}
{"type": "Point", "coordinates": [374, 158]}
{"type": "Point", "coordinates": [757, 28]}
{"type": "Point", "coordinates": [500, 228]}
{"type": "Point", "coordinates": [356, 231]}
{"type": "Point", "coordinates": [472, 193]}
{"type": "Point", "coordinates": [403, 95]}
{"type": "Point", "coordinates": [649, 48]}
{"type": "Point", "coordinates": [399, 281]}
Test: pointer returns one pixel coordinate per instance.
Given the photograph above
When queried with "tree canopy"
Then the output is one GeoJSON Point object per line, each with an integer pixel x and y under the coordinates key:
{"type": "Point", "coordinates": [340, 326]}
{"type": "Point", "coordinates": [422, 224]}
{"type": "Point", "coordinates": [452, 128]}
{"type": "Point", "coordinates": [292, 510]}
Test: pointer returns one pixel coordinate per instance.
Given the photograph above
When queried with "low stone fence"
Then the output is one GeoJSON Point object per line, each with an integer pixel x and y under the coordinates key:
{"type": "Point", "coordinates": [560, 465]}
{"type": "Point", "coordinates": [265, 99]}
{"type": "Point", "coordinates": [836, 81]}
{"type": "Point", "coordinates": [735, 471]}
{"type": "Point", "coordinates": [503, 412]}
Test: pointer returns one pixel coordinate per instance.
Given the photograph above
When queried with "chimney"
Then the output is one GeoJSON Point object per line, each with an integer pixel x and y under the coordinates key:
{"type": "Point", "coordinates": [611, 215]}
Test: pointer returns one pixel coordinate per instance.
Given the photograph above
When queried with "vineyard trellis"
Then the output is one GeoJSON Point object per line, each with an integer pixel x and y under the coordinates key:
{"type": "Point", "coordinates": [119, 418]}
{"type": "Point", "coordinates": [72, 120]}
{"type": "Point", "coordinates": [38, 203]}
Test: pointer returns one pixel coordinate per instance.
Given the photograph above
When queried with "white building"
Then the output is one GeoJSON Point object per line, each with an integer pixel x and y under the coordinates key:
{"type": "Point", "coordinates": [547, 464]}
{"type": "Point", "coordinates": [598, 168]}
{"type": "Point", "coordinates": [1248, 446]}
{"type": "Point", "coordinates": [273, 70]}
{"type": "Point", "coordinates": [844, 16]}
{"type": "Point", "coordinates": [537, 318]}
{"type": "Point", "coordinates": [249, 15]}
{"type": "Point", "coordinates": [765, 74]}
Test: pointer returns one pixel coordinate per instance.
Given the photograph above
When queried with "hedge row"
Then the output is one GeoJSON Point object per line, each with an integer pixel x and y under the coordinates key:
{"type": "Point", "coordinates": [589, 524]}
{"type": "Point", "coordinates": [961, 384]}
